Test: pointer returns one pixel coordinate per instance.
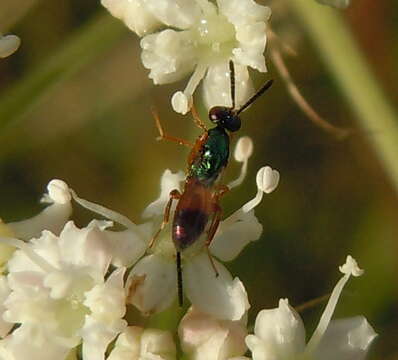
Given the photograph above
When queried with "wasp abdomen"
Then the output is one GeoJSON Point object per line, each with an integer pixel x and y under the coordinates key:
{"type": "Point", "coordinates": [192, 213]}
{"type": "Point", "coordinates": [188, 225]}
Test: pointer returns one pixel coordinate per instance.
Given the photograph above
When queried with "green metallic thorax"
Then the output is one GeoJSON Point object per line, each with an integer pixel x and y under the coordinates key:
{"type": "Point", "coordinates": [212, 158]}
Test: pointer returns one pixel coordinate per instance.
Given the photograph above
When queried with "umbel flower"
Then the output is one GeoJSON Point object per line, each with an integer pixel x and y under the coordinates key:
{"type": "Point", "coordinates": [152, 281]}
{"type": "Point", "coordinates": [67, 290]}
{"type": "Point", "coordinates": [279, 333]}
{"type": "Point", "coordinates": [60, 297]}
{"type": "Point", "coordinates": [202, 37]}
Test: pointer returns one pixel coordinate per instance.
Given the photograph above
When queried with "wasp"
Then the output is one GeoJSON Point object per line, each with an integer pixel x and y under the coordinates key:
{"type": "Point", "coordinates": [198, 210]}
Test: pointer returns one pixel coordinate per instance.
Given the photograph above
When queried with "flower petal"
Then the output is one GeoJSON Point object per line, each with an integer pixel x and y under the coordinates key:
{"type": "Point", "coordinates": [222, 297]}
{"type": "Point", "coordinates": [181, 14]}
{"type": "Point", "coordinates": [33, 343]}
{"type": "Point", "coordinates": [52, 218]}
{"type": "Point", "coordinates": [127, 346]}
{"type": "Point", "coordinates": [234, 233]}
{"type": "Point", "coordinates": [252, 40]}
{"type": "Point", "coordinates": [279, 333]}
{"type": "Point", "coordinates": [134, 14]}
{"type": "Point", "coordinates": [152, 284]}
{"type": "Point", "coordinates": [206, 338]}
{"type": "Point", "coordinates": [217, 85]}
{"type": "Point", "coordinates": [170, 55]}
{"type": "Point", "coordinates": [168, 182]}
{"type": "Point", "coordinates": [97, 335]}
{"type": "Point", "coordinates": [157, 344]}
{"type": "Point", "coordinates": [249, 19]}
{"type": "Point", "coordinates": [107, 301]}
{"type": "Point", "coordinates": [346, 339]}
{"type": "Point", "coordinates": [243, 11]}
{"type": "Point", "coordinates": [128, 246]}
{"type": "Point", "coordinates": [139, 343]}
{"type": "Point", "coordinates": [5, 290]}
{"type": "Point", "coordinates": [85, 247]}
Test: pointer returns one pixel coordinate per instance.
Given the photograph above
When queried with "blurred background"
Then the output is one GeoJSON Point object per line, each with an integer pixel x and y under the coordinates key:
{"type": "Point", "coordinates": [75, 104]}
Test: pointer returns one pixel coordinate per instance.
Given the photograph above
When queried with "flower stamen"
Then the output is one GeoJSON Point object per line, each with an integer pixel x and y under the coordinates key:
{"type": "Point", "coordinates": [349, 268]}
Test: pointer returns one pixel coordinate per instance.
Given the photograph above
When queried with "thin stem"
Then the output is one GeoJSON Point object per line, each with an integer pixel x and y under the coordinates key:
{"type": "Point", "coordinates": [350, 70]}
{"type": "Point", "coordinates": [298, 98]}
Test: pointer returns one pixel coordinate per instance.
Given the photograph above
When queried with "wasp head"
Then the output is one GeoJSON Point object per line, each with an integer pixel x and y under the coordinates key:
{"type": "Point", "coordinates": [225, 117]}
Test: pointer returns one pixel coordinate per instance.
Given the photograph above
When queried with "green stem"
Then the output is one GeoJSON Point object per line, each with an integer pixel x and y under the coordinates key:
{"type": "Point", "coordinates": [345, 61]}
{"type": "Point", "coordinates": [79, 50]}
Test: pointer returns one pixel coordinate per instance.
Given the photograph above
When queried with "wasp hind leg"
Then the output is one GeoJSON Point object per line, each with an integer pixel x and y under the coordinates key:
{"type": "Point", "coordinates": [211, 233]}
{"type": "Point", "coordinates": [174, 195]}
{"type": "Point", "coordinates": [222, 190]}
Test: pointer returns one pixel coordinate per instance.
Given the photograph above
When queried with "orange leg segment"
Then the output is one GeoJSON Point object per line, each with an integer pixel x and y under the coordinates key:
{"type": "Point", "coordinates": [164, 136]}
{"type": "Point", "coordinates": [174, 195]}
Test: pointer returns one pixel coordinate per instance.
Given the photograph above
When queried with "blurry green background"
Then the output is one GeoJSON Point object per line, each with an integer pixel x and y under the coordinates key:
{"type": "Point", "coordinates": [75, 104]}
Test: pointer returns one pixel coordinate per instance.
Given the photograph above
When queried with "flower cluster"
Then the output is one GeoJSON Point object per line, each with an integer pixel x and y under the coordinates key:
{"type": "Point", "coordinates": [201, 37]}
{"type": "Point", "coordinates": [65, 291]}
{"type": "Point", "coordinates": [65, 286]}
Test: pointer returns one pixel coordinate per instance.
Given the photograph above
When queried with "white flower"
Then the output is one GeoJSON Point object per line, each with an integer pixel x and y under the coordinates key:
{"type": "Point", "coordinates": [206, 338]}
{"type": "Point", "coordinates": [60, 296]}
{"type": "Point", "coordinates": [5, 291]}
{"type": "Point", "coordinates": [280, 334]}
{"type": "Point", "coordinates": [152, 283]}
{"type": "Point", "coordinates": [136, 343]}
{"type": "Point", "coordinates": [52, 218]}
{"type": "Point", "coordinates": [8, 45]}
{"type": "Point", "coordinates": [203, 38]}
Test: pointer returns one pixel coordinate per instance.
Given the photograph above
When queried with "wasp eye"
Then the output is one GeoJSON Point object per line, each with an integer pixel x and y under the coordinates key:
{"type": "Point", "coordinates": [217, 113]}
{"type": "Point", "coordinates": [225, 117]}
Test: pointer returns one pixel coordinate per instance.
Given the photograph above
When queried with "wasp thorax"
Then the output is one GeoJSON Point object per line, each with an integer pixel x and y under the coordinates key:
{"type": "Point", "coordinates": [225, 117]}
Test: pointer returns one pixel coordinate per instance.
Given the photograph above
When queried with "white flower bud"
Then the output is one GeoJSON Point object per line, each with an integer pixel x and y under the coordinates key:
{"type": "Point", "coordinates": [243, 149]}
{"type": "Point", "coordinates": [351, 267]}
{"type": "Point", "coordinates": [180, 103]}
{"type": "Point", "coordinates": [267, 179]}
{"type": "Point", "coordinates": [8, 45]}
{"type": "Point", "coordinates": [58, 191]}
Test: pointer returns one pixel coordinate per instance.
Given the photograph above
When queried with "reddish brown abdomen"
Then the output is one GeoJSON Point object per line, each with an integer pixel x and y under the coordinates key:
{"type": "Point", "coordinates": [192, 214]}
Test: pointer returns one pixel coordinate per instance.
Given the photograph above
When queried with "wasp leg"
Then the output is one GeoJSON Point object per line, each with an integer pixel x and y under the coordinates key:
{"type": "Point", "coordinates": [211, 232]}
{"type": "Point", "coordinates": [174, 195]}
{"type": "Point", "coordinates": [220, 191]}
{"type": "Point", "coordinates": [196, 119]}
{"type": "Point", "coordinates": [179, 280]}
{"type": "Point", "coordinates": [164, 136]}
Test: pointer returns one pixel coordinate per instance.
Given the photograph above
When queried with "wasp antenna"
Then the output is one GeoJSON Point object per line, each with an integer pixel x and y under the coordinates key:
{"type": "Point", "coordinates": [179, 280]}
{"type": "Point", "coordinates": [265, 87]}
{"type": "Point", "coordinates": [232, 78]}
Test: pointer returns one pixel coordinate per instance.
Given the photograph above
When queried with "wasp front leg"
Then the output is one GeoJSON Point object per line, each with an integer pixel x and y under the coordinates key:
{"type": "Point", "coordinates": [174, 195]}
